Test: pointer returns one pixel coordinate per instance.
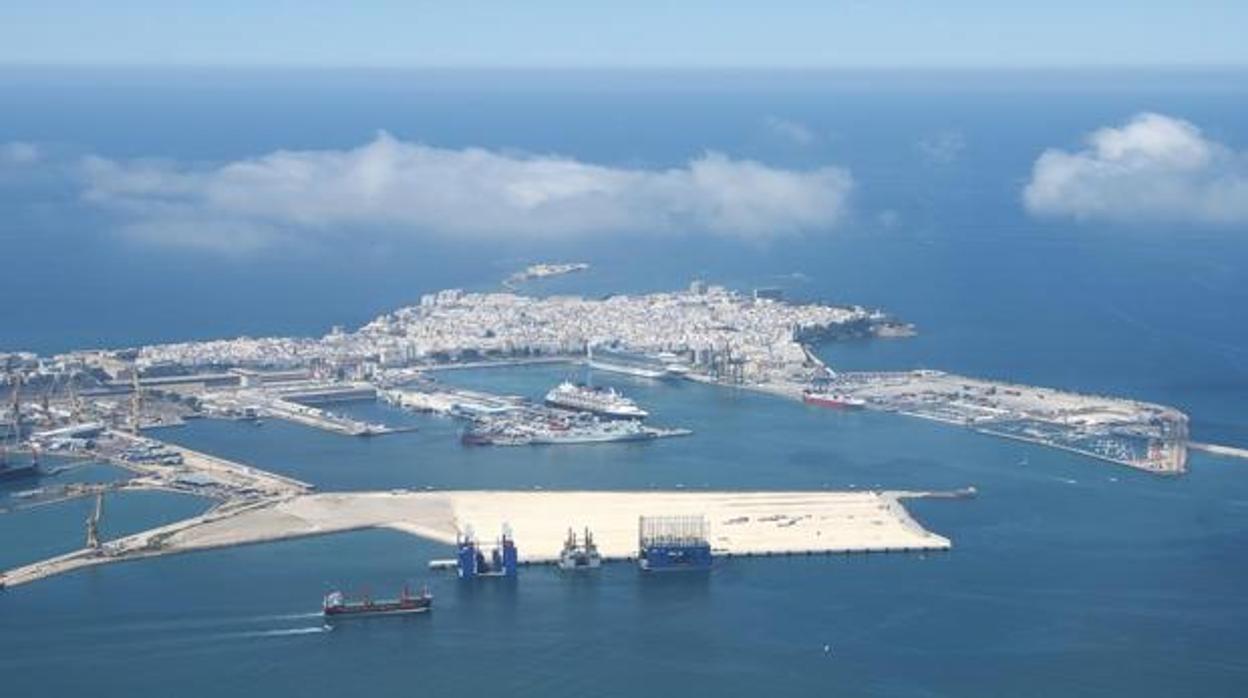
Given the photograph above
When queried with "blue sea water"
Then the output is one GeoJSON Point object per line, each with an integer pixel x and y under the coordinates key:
{"type": "Point", "coordinates": [1068, 576]}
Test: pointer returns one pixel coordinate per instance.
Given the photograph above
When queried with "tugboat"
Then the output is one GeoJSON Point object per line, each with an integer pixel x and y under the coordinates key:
{"type": "Point", "coordinates": [336, 605]}
{"type": "Point", "coordinates": [579, 556]}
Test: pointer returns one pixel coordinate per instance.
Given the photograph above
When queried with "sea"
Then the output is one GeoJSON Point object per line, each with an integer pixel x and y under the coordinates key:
{"type": "Point", "coordinates": [1068, 576]}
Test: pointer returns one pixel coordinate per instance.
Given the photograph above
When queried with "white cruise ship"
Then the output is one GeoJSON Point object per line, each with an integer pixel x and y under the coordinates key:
{"type": "Point", "coordinates": [605, 402]}
{"type": "Point", "coordinates": [638, 364]}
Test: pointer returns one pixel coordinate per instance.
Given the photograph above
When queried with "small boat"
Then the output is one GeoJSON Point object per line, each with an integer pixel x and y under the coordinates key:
{"type": "Point", "coordinates": [336, 605]}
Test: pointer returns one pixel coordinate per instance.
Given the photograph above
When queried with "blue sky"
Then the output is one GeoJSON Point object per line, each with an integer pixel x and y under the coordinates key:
{"type": "Point", "coordinates": [641, 33]}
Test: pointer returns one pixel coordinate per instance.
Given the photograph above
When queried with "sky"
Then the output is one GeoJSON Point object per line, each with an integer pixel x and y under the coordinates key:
{"type": "Point", "coordinates": [638, 34]}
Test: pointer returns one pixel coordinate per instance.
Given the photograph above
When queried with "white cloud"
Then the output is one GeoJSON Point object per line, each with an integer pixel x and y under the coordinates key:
{"type": "Point", "coordinates": [792, 131]}
{"type": "Point", "coordinates": [400, 187]}
{"type": "Point", "coordinates": [19, 153]}
{"type": "Point", "coordinates": [1153, 168]}
{"type": "Point", "coordinates": [942, 148]}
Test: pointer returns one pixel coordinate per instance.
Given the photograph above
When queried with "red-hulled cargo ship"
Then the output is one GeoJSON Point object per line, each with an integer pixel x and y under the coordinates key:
{"type": "Point", "coordinates": [337, 606]}
{"type": "Point", "coordinates": [837, 401]}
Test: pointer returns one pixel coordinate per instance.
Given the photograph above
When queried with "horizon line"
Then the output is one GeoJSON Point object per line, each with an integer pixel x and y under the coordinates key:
{"type": "Point", "coordinates": [624, 68]}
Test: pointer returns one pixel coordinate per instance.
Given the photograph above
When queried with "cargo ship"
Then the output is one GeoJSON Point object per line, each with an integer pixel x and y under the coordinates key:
{"type": "Point", "coordinates": [600, 401]}
{"type": "Point", "coordinates": [336, 605]}
{"type": "Point", "coordinates": [837, 401]}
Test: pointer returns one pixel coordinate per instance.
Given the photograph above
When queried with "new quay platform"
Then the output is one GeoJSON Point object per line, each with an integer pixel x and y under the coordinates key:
{"type": "Point", "coordinates": [741, 523]}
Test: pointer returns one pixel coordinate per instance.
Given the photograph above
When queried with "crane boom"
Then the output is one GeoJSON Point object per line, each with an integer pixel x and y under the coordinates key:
{"type": "Point", "coordinates": [93, 522]}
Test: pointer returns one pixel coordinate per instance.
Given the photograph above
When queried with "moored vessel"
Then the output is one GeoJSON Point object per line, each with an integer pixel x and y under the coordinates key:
{"type": "Point", "coordinates": [633, 363]}
{"type": "Point", "coordinates": [837, 401]}
{"type": "Point", "coordinates": [608, 431]}
{"type": "Point", "coordinates": [9, 471]}
{"type": "Point", "coordinates": [600, 401]}
{"type": "Point", "coordinates": [579, 554]}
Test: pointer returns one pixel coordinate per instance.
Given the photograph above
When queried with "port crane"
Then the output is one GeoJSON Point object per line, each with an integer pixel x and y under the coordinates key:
{"type": "Point", "coordinates": [75, 400]}
{"type": "Point", "coordinates": [45, 399]}
{"type": "Point", "coordinates": [93, 522]}
{"type": "Point", "coordinates": [136, 399]}
{"type": "Point", "coordinates": [15, 425]}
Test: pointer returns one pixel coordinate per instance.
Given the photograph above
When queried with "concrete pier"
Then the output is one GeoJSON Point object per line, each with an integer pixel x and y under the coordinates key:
{"type": "Point", "coordinates": [236, 480]}
{"type": "Point", "coordinates": [741, 523]}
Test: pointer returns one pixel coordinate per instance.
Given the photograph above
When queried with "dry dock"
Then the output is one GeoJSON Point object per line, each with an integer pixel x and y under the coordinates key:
{"type": "Point", "coordinates": [741, 523]}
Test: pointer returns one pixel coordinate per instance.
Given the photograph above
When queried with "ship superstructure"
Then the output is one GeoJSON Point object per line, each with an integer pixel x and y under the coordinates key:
{"type": "Point", "coordinates": [569, 428]}
{"type": "Point", "coordinates": [673, 543]}
{"type": "Point", "coordinates": [579, 554]}
{"type": "Point", "coordinates": [471, 562]}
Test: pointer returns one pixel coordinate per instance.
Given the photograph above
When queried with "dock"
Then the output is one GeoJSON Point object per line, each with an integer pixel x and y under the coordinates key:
{"type": "Point", "coordinates": [741, 523]}
{"type": "Point", "coordinates": [222, 478]}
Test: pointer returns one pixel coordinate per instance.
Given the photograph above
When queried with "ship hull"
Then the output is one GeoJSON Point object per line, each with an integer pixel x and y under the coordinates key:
{"type": "Point", "coordinates": [592, 439]}
{"type": "Point", "coordinates": [834, 403]}
{"type": "Point", "coordinates": [592, 563]}
{"type": "Point", "coordinates": [630, 370]}
{"type": "Point", "coordinates": [367, 614]}
{"type": "Point", "coordinates": [376, 610]}
{"type": "Point", "coordinates": [19, 472]}
{"type": "Point", "coordinates": [601, 412]}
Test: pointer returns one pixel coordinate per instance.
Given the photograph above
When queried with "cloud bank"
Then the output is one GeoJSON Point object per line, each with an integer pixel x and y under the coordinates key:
{"type": "Point", "coordinates": [408, 188]}
{"type": "Point", "coordinates": [1153, 168]}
